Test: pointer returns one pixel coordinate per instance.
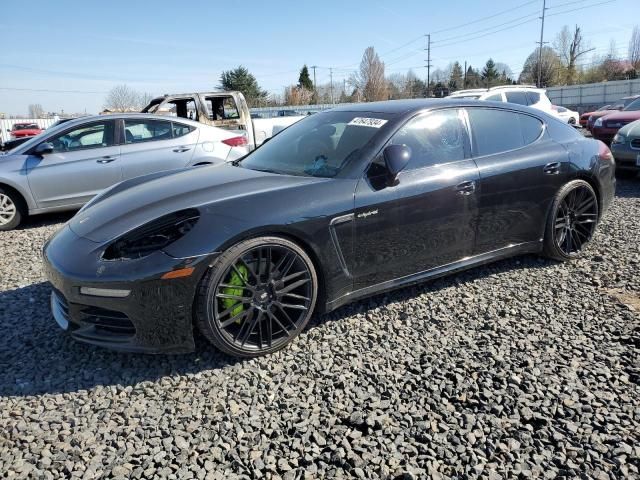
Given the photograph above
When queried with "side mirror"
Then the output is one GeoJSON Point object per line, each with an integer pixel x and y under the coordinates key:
{"type": "Point", "coordinates": [43, 149]}
{"type": "Point", "coordinates": [396, 158]}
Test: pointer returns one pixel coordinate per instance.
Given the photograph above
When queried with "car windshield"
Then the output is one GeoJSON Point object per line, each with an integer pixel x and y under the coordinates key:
{"type": "Point", "coordinates": [320, 145]}
{"type": "Point", "coordinates": [633, 106]}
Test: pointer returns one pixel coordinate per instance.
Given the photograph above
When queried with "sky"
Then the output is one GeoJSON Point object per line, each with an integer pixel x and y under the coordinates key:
{"type": "Point", "coordinates": [66, 55]}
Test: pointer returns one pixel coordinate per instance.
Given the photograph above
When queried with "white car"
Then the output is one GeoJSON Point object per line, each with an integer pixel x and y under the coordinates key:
{"type": "Point", "coordinates": [570, 116]}
{"type": "Point", "coordinates": [520, 94]}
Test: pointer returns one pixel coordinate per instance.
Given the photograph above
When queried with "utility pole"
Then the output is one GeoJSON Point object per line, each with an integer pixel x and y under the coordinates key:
{"type": "Point", "coordinates": [464, 82]}
{"type": "Point", "coordinates": [428, 49]}
{"type": "Point", "coordinates": [314, 77]}
{"type": "Point", "coordinates": [331, 83]}
{"type": "Point", "coordinates": [344, 86]}
{"type": "Point", "coordinates": [544, 9]}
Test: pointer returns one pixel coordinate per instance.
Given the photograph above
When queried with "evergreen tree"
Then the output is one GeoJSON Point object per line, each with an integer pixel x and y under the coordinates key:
{"type": "Point", "coordinates": [456, 80]}
{"type": "Point", "coordinates": [473, 78]}
{"type": "Point", "coordinates": [304, 81]}
{"type": "Point", "coordinates": [240, 79]}
{"type": "Point", "coordinates": [489, 73]}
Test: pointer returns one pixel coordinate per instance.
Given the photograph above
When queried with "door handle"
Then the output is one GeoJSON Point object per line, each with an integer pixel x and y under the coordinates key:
{"type": "Point", "coordinates": [552, 168]}
{"type": "Point", "coordinates": [181, 149]}
{"type": "Point", "coordinates": [466, 188]}
{"type": "Point", "coordinates": [106, 159]}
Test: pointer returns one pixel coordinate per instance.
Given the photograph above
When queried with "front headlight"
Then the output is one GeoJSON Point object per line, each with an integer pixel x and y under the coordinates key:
{"type": "Point", "coordinates": [152, 236]}
{"type": "Point", "coordinates": [598, 122]}
{"type": "Point", "coordinates": [590, 119]}
{"type": "Point", "coordinates": [619, 138]}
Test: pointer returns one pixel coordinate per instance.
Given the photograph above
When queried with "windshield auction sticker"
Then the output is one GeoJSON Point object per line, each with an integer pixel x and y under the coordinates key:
{"type": "Point", "coordinates": [368, 122]}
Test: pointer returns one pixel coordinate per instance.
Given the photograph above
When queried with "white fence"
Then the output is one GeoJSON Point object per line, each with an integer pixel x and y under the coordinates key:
{"type": "Point", "coordinates": [6, 124]}
{"type": "Point", "coordinates": [584, 97]}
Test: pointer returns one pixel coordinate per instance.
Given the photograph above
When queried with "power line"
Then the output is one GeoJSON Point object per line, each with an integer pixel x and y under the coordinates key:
{"type": "Point", "coordinates": [444, 40]}
{"type": "Point", "coordinates": [484, 18]}
{"type": "Point", "coordinates": [46, 90]}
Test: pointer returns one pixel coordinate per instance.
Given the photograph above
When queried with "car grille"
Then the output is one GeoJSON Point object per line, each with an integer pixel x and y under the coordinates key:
{"type": "Point", "coordinates": [106, 320]}
{"type": "Point", "coordinates": [635, 143]}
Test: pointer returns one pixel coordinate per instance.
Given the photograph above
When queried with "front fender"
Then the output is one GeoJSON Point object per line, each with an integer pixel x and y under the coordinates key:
{"type": "Point", "coordinates": [23, 190]}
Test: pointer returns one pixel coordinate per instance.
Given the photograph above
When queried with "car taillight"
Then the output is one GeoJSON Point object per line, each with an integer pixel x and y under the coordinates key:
{"type": "Point", "coordinates": [236, 141]}
{"type": "Point", "coordinates": [604, 153]}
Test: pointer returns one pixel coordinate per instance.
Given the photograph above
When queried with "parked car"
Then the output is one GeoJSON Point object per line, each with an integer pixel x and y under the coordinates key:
{"type": "Point", "coordinates": [344, 204]}
{"type": "Point", "coordinates": [226, 110]}
{"type": "Point", "coordinates": [619, 105]}
{"type": "Point", "coordinates": [11, 144]}
{"type": "Point", "coordinates": [605, 127]}
{"type": "Point", "coordinates": [287, 113]}
{"type": "Point", "coordinates": [625, 147]}
{"type": "Point", "coordinates": [570, 116]}
{"type": "Point", "coordinates": [518, 94]}
{"type": "Point", "coordinates": [584, 118]}
{"type": "Point", "coordinates": [22, 130]}
{"type": "Point", "coordinates": [68, 165]}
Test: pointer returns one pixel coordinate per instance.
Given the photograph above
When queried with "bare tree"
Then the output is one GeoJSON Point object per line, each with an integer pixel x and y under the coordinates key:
{"type": "Point", "coordinates": [550, 67]}
{"type": "Point", "coordinates": [634, 48]}
{"type": "Point", "coordinates": [295, 95]}
{"type": "Point", "coordinates": [122, 98]}
{"type": "Point", "coordinates": [143, 100]}
{"type": "Point", "coordinates": [35, 110]}
{"type": "Point", "coordinates": [570, 46]}
{"type": "Point", "coordinates": [369, 80]}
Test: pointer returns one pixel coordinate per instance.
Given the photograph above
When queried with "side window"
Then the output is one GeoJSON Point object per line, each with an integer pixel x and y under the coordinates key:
{"type": "Point", "coordinates": [180, 129]}
{"type": "Point", "coordinates": [517, 97]}
{"type": "Point", "coordinates": [531, 128]}
{"type": "Point", "coordinates": [94, 135]}
{"type": "Point", "coordinates": [222, 108]}
{"type": "Point", "coordinates": [137, 131]}
{"type": "Point", "coordinates": [496, 97]}
{"type": "Point", "coordinates": [494, 130]}
{"type": "Point", "coordinates": [534, 97]}
{"type": "Point", "coordinates": [230, 110]}
{"type": "Point", "coordinates": [434, 138]}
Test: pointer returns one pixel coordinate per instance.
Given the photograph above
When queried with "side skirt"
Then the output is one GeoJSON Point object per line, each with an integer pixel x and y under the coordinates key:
{"type": "Point", "coordinates": [463, 264]}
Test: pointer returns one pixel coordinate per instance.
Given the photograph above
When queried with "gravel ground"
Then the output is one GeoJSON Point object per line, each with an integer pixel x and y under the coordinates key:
{"type": "Point", "coordinates": [524, 368]}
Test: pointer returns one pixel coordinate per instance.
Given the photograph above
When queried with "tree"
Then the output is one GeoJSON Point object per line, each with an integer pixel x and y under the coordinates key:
{"type": "Point", "coordinates": [570, 47]}
{"type": "Point", "coordinates": [550, 68]}
{"type": "Point", "coordinates": [304, 81]}
{"type": "Point", "coordinates": [634, 48]}
{"type": "Point", "coordinates": [369, 80]}
{"type": "Point", "coordinates": [35, 110]}
{"type": "Point", "coordinates": [296, 95]}
{"type": "Point", "coordinates": [122, 98]}
{"type": "Point", "coordinates": [241, 80]}
{"type": "Point", "coordinates": [489, 73]}
{"type": "Point", "coordinates": [456, 78]}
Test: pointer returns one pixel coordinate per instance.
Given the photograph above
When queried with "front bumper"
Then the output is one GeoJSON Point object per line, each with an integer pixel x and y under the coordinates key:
{"type": "Point", "coordinates": [155, 317]}
{"type": "Point", "coordinates": [626, 156]}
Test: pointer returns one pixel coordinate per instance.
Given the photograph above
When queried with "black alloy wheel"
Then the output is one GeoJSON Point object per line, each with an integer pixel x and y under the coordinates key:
{"type": "Point", "coordinates": [258, 297]}
{"type": "Point", "coordinates": [572, 220]}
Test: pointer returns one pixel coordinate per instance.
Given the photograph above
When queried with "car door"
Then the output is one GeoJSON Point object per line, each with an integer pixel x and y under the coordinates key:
{"type": "Point", "coordinates": [521, 168]}
{"type": "Point", "coordinates": [85, 160]}
{"type": "Point", "coordinates": [427, 219]}
{"type": "Point", "coordinates": [155, 145]}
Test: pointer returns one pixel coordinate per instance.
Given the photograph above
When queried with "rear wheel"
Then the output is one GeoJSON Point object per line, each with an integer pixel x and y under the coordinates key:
{"type": "Point", "coordinates": [257, 297]}
{"type": "Point", "coordinates": [11, 210]}
{"type": "Point", "coordinates": [572, 221]}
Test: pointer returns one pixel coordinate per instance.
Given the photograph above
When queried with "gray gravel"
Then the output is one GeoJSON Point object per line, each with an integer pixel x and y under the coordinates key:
{"type": "Point", "coordinates": [524, 368]}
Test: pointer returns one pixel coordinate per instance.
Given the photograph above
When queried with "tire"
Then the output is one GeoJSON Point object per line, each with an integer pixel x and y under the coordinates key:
{"type": "Point", "coordinates": [571, 222]}
{"type": "Point", "coordinates": [257, 297]}
{"type": "Point", "coordinates": [624, 173]}
{"type": "Point", "coordinates": [12, 209]}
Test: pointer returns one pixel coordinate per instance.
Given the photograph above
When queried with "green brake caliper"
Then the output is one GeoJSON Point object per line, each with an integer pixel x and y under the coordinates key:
{"type": "Point", "coordinates": [239, 280]}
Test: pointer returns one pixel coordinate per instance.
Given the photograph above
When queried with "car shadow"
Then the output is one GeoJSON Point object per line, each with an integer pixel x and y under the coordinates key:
{"type": "Point", "coordinates": [36, 357]}
{"type": "Point", "coordinates": [46, 219]}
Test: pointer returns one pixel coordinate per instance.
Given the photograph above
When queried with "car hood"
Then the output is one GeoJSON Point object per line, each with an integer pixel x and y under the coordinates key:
{"type": "Point", "coordinates": [631, 130]}
{"type": "Point", "coordinates": [601, 114]}
{"type": "Point", "coordinates": [623, 116]}
{"type": "Point", "coordinates": [134, 203]}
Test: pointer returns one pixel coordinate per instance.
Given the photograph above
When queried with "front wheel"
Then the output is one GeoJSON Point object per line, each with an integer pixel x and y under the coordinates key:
{"type": "Point", "coordinates": [258, 297]}
{"type": "Point", "coordinates": [572, 221]}
{"type": "Point", "coordinates": [11, 210]}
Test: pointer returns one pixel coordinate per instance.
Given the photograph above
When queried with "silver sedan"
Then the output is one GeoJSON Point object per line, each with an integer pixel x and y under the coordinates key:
{"type": "Point", "coordinates": [66, 166]}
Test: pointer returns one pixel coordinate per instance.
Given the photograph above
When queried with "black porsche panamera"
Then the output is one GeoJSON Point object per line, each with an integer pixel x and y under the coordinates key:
{"type": "Point", "coordinates": [341, 205]}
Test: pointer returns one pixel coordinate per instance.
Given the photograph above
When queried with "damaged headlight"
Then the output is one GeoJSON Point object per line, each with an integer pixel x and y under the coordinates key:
{"type": "Point", "coordinates": [152, 236]}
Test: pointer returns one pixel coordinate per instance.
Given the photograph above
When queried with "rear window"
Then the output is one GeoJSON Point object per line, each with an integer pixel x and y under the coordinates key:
{"type": "Point", "coordinates": [534, 97]}
{"type": "Point", "coordinates": [25, 126]}
{"type": "Point", "coordinates": [519, 98]}
{"type": "Point", "coordinates": [497, 97]}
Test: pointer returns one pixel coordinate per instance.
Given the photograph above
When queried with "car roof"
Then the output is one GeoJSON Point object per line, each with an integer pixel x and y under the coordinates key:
{"type": "Point", "coordinates": [418, 104]}
{"type": "Point", "coordinates": [141, 116]}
